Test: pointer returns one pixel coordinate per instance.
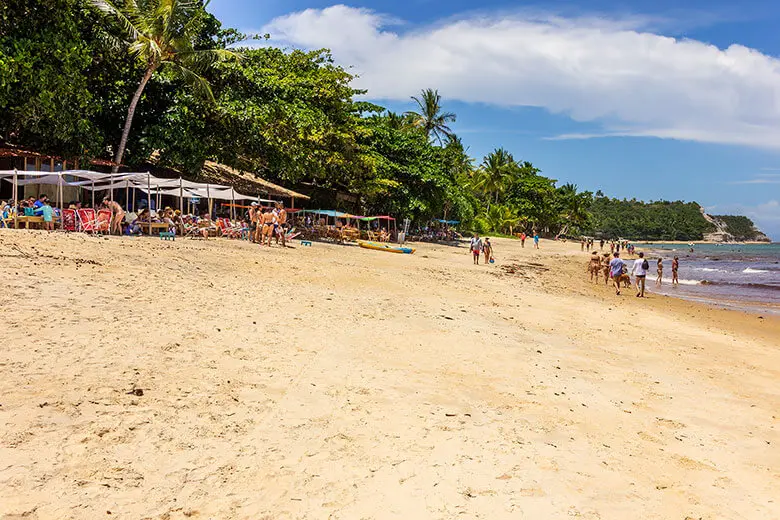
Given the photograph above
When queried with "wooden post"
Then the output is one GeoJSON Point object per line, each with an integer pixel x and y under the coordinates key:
{"type": "Point", "coordinates": [233, 201]}
{"type": "Point", "coordinates": [181, 197]}
{"type": "Point", "coordinates": [208, 196]}
{"type": "Point", "coordinates": [16, 197]}
{"type": "Point", "coordinates": [62, 222]}
{"type": "Point", "coordinates": [149, 200]}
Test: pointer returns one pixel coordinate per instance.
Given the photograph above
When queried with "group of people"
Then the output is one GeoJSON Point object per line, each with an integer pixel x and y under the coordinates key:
{"type": "Point", "coordinates": [481, 247]}
{"type": "Point", "coordinates": [267, 225]}
{"type": "Point", "coordinates": [30, 207]}
{"type": "Point", "coordinates": [616, 269]}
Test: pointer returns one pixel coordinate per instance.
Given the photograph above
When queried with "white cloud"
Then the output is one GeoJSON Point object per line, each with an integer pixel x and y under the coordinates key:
{"type": "Point", "coordinates": [628, 81]}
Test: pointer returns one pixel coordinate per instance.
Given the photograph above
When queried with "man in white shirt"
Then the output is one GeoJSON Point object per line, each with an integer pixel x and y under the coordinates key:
{"type": "Point", "coordinates": [476, 247]}
{"type": "Point", "coordinates": [640, 272]}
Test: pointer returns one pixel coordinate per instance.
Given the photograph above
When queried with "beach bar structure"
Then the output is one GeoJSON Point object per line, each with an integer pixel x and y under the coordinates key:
{"type": "Point", "coordinates": [143, 181]}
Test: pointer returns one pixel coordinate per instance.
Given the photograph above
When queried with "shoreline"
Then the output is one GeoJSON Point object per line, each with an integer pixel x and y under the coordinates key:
{"type": "Point", "coordinates": [217, 379]}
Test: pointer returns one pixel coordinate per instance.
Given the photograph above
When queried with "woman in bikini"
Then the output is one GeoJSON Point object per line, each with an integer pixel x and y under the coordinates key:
{"type": "Point", "coordinates": [660, 271]}
{"type": "Point", "coordinates": [487, 250]}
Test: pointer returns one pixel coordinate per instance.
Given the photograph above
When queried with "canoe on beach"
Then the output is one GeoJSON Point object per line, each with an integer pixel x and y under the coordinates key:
{"type": "Point", "coordinates": [386, 247]}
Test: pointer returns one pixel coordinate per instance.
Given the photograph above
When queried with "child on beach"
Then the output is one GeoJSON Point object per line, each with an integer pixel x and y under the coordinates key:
{"type": "Point", "coordinates": [48, 216]}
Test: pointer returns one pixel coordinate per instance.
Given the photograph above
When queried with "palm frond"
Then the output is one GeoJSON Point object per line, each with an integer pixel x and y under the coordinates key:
{"type": "Point", "coordinates": [108, 8]}
{"type": "Point", "coordinates": [201, 60]}
{"type": "Point", "coordinates": [198, 83]}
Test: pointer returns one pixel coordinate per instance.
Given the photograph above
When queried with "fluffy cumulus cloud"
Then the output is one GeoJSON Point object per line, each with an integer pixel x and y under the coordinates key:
{"type": "Point", "coordinates": [626, 79]}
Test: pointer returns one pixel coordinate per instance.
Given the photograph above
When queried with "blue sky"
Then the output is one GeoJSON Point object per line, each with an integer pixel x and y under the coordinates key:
{"type": "Point", "coordinates": [638, 99]}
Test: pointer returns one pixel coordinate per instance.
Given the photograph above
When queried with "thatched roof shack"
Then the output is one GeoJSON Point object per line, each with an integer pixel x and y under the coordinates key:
{"type": "Point", "coordinates": [244, 182]}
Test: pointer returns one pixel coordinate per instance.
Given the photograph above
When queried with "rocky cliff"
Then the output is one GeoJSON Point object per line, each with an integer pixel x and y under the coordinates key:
{"type": "Point", "coordinates": [732, 228]}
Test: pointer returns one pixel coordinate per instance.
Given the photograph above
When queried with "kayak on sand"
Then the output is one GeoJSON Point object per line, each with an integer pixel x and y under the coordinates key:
{"type": "Point", "coordinates": [386, 247]}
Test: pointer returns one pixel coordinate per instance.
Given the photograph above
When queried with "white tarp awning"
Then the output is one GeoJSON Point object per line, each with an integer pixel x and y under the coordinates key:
{"type": "Point", "coordinates": [145, 182]}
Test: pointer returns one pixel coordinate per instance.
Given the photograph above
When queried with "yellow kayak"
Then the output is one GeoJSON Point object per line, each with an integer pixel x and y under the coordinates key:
{"type": "Point", "coordinates": [379, 246]}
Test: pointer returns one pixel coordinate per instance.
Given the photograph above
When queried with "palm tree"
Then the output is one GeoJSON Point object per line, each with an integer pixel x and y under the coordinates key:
{"type": "Point", "coordinates": [574, 207]}
{"type": "Point", "coordinates": [430, 117]}
{"type": "Point", "coordinates": [495, 173]}
{"type": "Point", "coordinates": [160, 33]}
{"type": "Point", "coordinates": [398, 121]}
{"type": "Point", "coordinates": [500, 218]}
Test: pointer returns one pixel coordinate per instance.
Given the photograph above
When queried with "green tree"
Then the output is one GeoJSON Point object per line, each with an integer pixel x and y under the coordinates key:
{"type": "Point", "coordinates": [574, 207]}
{"type": "Point", "coordinates": [429, 116]}
{"type": "Point", "coordinates": [495, 174]}
{"type": "Point", "coordinates": [161, 33]}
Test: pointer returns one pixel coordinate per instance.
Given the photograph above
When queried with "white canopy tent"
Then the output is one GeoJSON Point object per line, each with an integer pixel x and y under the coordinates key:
{"type": "Point", "coordinates": [146, 182]}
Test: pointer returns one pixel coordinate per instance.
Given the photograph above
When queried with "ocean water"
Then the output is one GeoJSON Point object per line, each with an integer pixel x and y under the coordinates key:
{"type": "Point", "coordinates": [745, 276]}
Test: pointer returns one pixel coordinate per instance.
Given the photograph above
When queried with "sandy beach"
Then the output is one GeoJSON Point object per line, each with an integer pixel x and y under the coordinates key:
{"type": "Point", "coordinates": [216, 379]}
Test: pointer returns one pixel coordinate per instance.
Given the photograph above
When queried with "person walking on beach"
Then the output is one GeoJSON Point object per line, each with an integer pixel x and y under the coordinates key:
{"type": "Point", "coordinates": [660, 270]}
{"type": "Point", "coordinates": [536, 240]}
{"type": "Point", "coordinates": [615, 270]}
{"type": "Point", "coordinates": [487, 249]}
{"type": "Point", "coordinates": [523, 236]}
{"type": "Point", "coordinates": [601, 245]}
{"type": "Point", "coordinates": [594, 266]}
{"type": "Point", "coordinates": [476, 248]}
{"type": "Point", "coordinates": [675, 267]}
{"type": "Point", "coordinates": [641, 266]}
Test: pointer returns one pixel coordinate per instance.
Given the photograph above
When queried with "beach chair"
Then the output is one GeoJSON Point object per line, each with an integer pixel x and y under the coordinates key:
{"type": "Point", "coordinates": [69, 220]}
{"type": "Point", "coordinates": [103, 221]}
{"type": "Point", "coordinates": [87, 219]}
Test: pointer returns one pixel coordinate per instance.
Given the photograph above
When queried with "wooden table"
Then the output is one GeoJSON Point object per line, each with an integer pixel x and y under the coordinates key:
{"type": "Point", "coordinates": [149, 227]}
{"type": "Point", "coordinates": [27, 219]}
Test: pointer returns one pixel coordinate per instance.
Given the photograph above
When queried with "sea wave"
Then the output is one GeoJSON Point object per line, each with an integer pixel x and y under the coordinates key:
{"type": "Point", "coordinates": [769, 286]}
{"type": "Point", "coordinates": [750, 270]}
{"type": "Point", "coordinates": [692, 282]}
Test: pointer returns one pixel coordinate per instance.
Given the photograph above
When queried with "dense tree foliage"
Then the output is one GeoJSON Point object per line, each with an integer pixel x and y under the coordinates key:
{"type": "Point", "coordinates": [742, 228]}
{"type": "Point", "coordinates": [660, 220]}
{"type": "Point", "coordinates": [73, 79]}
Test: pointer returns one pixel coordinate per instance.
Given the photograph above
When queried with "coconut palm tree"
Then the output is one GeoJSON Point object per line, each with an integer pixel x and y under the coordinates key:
{"type": "Point", "coordinates": [499, 218]}
{"type": "Point", "coordinates": [160, 33]}
{"type": "Point", "coordinates": [574, 207]}
{"type": "Point", "coordinates": [430, 118]}
{"type": "Point", "coordinates": [495, 173]}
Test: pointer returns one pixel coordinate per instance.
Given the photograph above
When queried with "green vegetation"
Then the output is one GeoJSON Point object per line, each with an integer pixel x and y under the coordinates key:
{"type": "Point", "coordinates": [742, 228]}
{"type": "Point", "coordinates": [660, 220]}
{"type": "Point", "coordinates": [76, 75]}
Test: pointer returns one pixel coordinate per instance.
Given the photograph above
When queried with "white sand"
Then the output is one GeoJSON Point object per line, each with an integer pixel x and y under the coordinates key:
{"type": "Point", "coordinates": [336, 382]}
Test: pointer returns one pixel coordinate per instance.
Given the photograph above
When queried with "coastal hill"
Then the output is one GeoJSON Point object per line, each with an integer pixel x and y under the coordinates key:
{"type": "Point", "coordinates": [733, 228]}
{"type": "Point", "coordinates": [666, 220]}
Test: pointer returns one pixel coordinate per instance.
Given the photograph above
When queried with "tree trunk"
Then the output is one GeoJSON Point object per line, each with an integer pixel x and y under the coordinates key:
{"type": "Point", "coordinates": [120, 152]}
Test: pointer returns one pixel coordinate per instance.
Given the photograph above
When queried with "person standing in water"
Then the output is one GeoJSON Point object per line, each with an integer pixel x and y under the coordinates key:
{"type": "Point", "coordinates": [659, 269]}
{"type": "Point", "coordinates": [675, 267]}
